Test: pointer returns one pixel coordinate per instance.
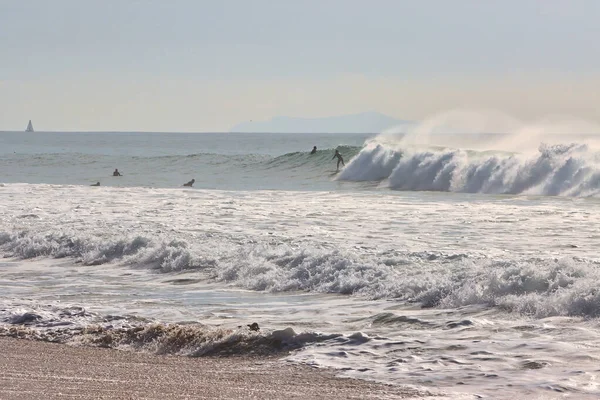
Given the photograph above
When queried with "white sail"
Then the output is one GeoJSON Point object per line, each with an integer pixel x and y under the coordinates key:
{"type": "Point", "coordinates": [29, 127]}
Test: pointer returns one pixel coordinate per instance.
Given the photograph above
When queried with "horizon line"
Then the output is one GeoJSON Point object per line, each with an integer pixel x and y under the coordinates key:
{"type": "Point", "coordinates": [193, 132]}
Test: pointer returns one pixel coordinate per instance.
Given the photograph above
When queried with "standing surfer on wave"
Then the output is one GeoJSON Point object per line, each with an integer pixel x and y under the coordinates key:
{"type": "Point", "coordinates": [340, 159]}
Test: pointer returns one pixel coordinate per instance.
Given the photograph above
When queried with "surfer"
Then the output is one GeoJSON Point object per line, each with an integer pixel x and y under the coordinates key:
{"type": "Point", "coordinates": [96, 184]}
{"type": "Point", "coordinates": [190, 183]}
{"type": "Point", "coordinates": [117, 173]}
{"type": "Point", "coordinates": [314, 150]}
{"type": "Point", "coordinates": [340, 159]}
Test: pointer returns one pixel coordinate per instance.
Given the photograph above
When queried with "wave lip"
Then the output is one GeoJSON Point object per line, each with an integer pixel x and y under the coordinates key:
{"type": "Point", "coordinates": [565, 170]}
{"type": "Point", "coordinates": [373, 163]}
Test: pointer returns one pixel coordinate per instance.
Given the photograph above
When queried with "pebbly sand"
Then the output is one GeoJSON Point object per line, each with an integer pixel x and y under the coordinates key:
{"type": "Point", "coordinates": [41, 370]}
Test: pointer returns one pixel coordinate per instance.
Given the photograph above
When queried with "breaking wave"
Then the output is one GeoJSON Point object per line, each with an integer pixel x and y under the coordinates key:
{"type": "Point", "coordinates": [161, 254]}
{"type": "Point", "coordinates": [537, 287]}
{"type": "Point", "coordinates": [75, 325]}
{"type": "Point", "coordinates": [557, 170]}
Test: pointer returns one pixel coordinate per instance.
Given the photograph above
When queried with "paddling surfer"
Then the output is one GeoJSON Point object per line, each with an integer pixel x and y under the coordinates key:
{"type": "Point", "coordinates": [190, 183]}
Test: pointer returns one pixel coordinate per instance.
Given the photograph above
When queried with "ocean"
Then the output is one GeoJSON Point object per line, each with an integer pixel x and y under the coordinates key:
{"type": "Point", "coordinates": [469, 271]}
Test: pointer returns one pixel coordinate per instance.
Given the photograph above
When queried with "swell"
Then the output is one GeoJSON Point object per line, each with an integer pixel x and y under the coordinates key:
{"type": "Point", "coordinates": [559, 170]}
{"type": "Point", "coordinates": [288, 160]}
{"type": "Point", "coordinates": [539, 287]}
{"type": "Point", "coordinates": [290, 171]}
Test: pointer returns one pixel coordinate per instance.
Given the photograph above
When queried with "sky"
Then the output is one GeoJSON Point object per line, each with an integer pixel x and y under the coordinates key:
{"type": "Point", "coordinates": [195, 65]}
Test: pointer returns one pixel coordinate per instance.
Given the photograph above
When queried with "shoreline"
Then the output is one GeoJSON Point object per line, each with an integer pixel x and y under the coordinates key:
{"type": "Point", "coordinates": [31, 369]}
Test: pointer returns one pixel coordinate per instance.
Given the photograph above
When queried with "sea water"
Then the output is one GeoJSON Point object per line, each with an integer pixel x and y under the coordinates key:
{"type": "Point", "coordinates": [231, 161]}
{"type": "Point", "coordinates": [463, 272]}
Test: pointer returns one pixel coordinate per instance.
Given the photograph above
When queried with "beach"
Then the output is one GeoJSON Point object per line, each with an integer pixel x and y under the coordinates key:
{"type": "Point", "coordinates": [296, 200]}
{"type": "Point", "coordinates": [40, 370]}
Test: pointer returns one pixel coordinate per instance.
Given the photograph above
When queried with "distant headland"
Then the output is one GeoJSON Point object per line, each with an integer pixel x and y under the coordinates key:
{"type": "Point", "coordinates": [367, 122]}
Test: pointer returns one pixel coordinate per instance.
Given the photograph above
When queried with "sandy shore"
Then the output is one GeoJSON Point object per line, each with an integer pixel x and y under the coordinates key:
{"type": "Point", "coordinates": [40, 370]}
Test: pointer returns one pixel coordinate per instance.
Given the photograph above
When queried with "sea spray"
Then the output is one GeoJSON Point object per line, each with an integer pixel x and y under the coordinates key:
{"type": "Point", "coordinates": [567, 170]}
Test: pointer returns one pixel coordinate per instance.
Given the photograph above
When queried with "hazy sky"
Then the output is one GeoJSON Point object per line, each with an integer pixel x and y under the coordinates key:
{"type": "Point", "coordinates": [194, 65]}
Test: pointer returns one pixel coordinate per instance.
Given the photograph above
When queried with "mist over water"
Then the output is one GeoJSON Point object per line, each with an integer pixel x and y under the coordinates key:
{"type": "Point", "coordinates": [484, 153]}
{"type": "Point", "coordinates": [491, 130]}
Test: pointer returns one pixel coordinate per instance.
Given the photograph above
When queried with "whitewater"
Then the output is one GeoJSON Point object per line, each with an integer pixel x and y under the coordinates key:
{"type": "Point", "coordinates": [466, 270]}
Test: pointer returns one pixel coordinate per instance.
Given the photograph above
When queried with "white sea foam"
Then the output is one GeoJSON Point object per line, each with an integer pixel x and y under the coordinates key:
{"type": "Point", "coordinates": [539, 287]}
{"type": "Point", "coordinates": [430, 289]}
{"type": "Point", "coordinates": [479, 151]}
{"type": "Point", "coordinates": [567, 170]}
{"type": "Point", "coordinates": [297, 261]}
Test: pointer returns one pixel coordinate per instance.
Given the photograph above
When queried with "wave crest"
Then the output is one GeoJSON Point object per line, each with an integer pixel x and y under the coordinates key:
{"type": "Point", "coordinates": [162, 254]}
{"type": "Point", "coordinates": [567, 170]}
{"type": "Point", "coordinates": [539, 287]}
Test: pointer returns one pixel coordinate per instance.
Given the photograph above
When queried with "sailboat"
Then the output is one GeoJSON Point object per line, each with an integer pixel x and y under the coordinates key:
{"type": "Point", "coordinates": [29, 127]}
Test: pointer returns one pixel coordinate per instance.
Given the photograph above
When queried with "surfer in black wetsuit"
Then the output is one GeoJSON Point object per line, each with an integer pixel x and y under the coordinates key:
{"type": "Point", "coordinates": [340, 159]}
{"type": "Point", "coordinates": [117, 173]}
{"type": "Point", "coordinates": [96, 184]}
{"type": "Point", "coordinates": [314, 150]}
{"type": "Point", "coordinates": [190, 183]}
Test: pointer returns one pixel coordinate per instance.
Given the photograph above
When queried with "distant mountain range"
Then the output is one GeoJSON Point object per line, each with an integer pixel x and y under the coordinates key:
{"type": "Point", "coordinates": [368, 122]}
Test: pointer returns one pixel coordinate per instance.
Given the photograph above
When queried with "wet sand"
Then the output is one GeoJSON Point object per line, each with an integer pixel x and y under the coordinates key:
{"type": "Point", "coordinates": [41, 370]}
